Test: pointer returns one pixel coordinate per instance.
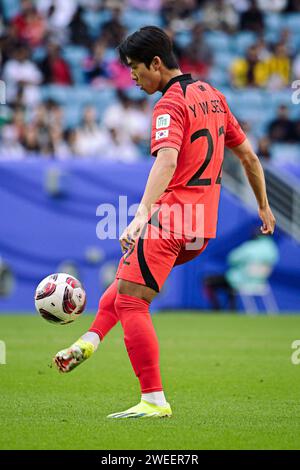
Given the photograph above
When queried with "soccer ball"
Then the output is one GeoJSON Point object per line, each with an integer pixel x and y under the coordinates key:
{"type": "Point", "coordinates": [60, 298]}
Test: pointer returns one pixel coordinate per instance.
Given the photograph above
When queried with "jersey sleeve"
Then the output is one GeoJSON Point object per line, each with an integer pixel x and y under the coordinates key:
{"type": "Point", "coordinates": [234, 134]}
{"type": "Point", "coordinates": [167, 125]}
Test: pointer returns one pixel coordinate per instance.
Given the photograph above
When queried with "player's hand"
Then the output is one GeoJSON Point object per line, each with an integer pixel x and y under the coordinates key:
{"type": "Point", "coordinates": [132, 232]}
{"type": "Point", "coordinates": [268, 220]}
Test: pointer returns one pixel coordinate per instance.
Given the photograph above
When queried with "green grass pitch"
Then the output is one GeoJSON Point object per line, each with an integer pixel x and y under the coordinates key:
{"type": "Point", "coordinates": [229, 379]}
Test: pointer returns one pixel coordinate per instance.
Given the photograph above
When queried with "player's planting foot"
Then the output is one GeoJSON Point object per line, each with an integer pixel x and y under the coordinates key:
{"type": "Point", "coordinates": [145, 410]}
{"type": "Point", "coordinates": [67, 359]}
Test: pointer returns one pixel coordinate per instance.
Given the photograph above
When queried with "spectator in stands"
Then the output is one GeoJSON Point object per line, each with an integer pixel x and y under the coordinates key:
{"type": "Point", "coordinates": [21, 72]}
{"type": "Point", "coordinates": [278, 67]}
{"type": "Point", "coordinates": [287, 39]}
{"type": "Point", "coordinates": [47, 122]}
{"type": "Point", "coordinates": [31, 143]}
{"type": "Point", "coordinates": [248, 71]}
{"type": "Point", "coordinates": [174, 12]}
{"type": "Point", "coordinates": [120, 148]}
{"type": "Point", "coordinates": [90, 139]}
{"type": "Point", "coordinates": [272, 6]}
{"type": "Point", "coordinates": [59, 147]}
{"type": "Point", "coordinates": [252, 19]}
{"type": "Point", "coordinates": [30, 26]}
{"type": "Point", "coordinates": [281, 129]}
{"type": "Point", "coordinates": [8, 43]}
{"type": "Point", "coordinates": [145, 5]}
{"type": "Point", "coordinates": [297, 131]}
{"type": "Point", "coordinates": [41, 121]}
{"type": "Point", "coordinates": [120, 75]}
{"type": "Point", "coordinates": [54, 68]}
{"type": "Point", "coordinates": [79, 34]}
{"type": "Point", "coordinates": [247, 128]}
{"type": "Point", "coordinates": [54, 113]}
{"type": "Point", "coordinates": [293, 6]}
{"type": "Point", "coordinates": [63, 23]}
{"type": "Point", "coordinates": [2, 26]}
{"type": "Point", "coordinates": [249, 265]}
{"type": "Point", "coordinates": [113, 31]}
{"type": "Point", "coordinates": [58, 14]}
{"type": "Point", "coordinates": [139, 128]}
{"type": "Point", "coordinates": [261, 69]}
{"type": "Point", "coordinates": [18, 122]}
{"type": "Point", "coordinates": [96, 67]}
{"type": "Point", "coordinates": [196, 57]}
{"type": "Point", "coordinates": [220, 15]}
{"type": "Point", "coordinates": [20, 101]}
{"type": "Point", "coordinates": [11, 148]}
{"type": "Point", "coordinates": [178, 50]}
{"type": "Point", "coordinates": [89, 121]}
{"type": "Point", "coordinates": [240, 5]}
{"type": "Point", "coordinates": [70, 137]}
{"type": "Point", "coordinates": [116, 115]}
{"type": "Point", "coordinates": [264, 148]}
{"type": "Point", "coordinates": [130, 121]}
{"type": "Point", "coordinates": [263, 50]}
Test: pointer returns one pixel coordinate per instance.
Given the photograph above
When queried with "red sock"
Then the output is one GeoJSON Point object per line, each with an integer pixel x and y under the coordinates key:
{"type": "Point", "coordinates": [140, 340]}
{"type": "Point", "coordinates": [107, 316]}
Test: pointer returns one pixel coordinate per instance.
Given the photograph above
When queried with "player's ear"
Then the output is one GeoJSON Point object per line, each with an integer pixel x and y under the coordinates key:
{"type": "Point", "coordinates": [156, 63]}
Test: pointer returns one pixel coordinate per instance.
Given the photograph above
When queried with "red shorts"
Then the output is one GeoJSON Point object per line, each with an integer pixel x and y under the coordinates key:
{"type": "Point", "coordinates": [154, 254]}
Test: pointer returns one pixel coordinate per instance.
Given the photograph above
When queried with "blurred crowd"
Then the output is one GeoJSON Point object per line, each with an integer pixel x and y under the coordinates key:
{"type": "Point", "coordinates": [32, 44]}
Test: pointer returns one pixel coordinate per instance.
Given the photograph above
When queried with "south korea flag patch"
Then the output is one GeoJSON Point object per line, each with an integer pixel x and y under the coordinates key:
{"type": "Point", "coordinates": [163, 121]}
{"type": "Point", "coordinates": [161, 134]}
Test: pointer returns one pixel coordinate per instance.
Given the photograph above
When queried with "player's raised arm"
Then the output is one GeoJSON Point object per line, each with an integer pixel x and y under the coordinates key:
{"type": "Point", "coordinates": [256, 178]}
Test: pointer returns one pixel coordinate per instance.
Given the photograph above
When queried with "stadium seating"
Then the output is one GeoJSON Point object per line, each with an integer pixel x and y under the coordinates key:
{"type": "Point", "coordinates": [75, 56]}
{"type": "Point", "coordinates": [74, 99]}
{"type": "Point", "coordinates": [10, 8]}
{"type": "Point", "coordinates": [95, 20]}
{"type": "Point", "coordinates": [134, 19]}
{"type": "Point", "coordinates": [256, 106]}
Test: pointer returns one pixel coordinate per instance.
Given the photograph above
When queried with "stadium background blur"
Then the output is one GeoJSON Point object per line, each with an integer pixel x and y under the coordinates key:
{"type": "Point", "coordinates": [75, 134]}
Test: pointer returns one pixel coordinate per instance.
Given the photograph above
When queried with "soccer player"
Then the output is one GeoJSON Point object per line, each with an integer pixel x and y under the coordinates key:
{"type": "Point", "coordinates": [191, 125]}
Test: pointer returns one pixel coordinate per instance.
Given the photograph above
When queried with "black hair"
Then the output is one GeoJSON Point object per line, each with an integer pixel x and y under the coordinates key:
{"type": "Point", "coordinates": [145, 44]}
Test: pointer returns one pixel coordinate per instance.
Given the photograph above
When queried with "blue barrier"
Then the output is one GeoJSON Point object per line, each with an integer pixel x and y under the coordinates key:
{"type": "Point", "coordinates": [48, 216]}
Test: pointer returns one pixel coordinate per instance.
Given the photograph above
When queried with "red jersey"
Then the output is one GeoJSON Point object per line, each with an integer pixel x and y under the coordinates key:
{"type": "Point", "coordinates": [194, 118]}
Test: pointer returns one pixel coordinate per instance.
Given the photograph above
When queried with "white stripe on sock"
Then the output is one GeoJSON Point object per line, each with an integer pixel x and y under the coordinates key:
{"type": "Point", "coordinates": [156, 398]}
{"type": "Point", "coordinates": [91, 337]}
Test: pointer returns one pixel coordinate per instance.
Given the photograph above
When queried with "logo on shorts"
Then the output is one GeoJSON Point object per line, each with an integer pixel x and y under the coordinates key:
{"type": "Point", "coordinates": [161, 134]}
{"type": "Point", "coordinates": [163, 121]}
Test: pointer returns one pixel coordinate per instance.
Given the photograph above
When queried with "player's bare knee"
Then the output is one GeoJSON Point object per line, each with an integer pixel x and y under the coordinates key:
{"type": "Point", "coordinates": [136, 290]}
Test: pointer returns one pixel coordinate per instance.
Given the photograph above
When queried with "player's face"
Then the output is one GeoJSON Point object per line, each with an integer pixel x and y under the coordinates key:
{"type": "Point", "coordinates": [147, 79]}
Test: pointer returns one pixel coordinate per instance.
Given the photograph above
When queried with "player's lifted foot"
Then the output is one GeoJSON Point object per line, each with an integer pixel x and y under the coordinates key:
{"type": "Point", "coordinates": [145, 410]}
{"type": "Point", "coordinates": [67, 359]}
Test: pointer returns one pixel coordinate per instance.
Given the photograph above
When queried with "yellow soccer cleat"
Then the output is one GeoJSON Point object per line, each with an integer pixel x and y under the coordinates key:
{"type": "Point", "coordinates": [67, 359]}
{"type": "Point", "coordinates": [144, 410]}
